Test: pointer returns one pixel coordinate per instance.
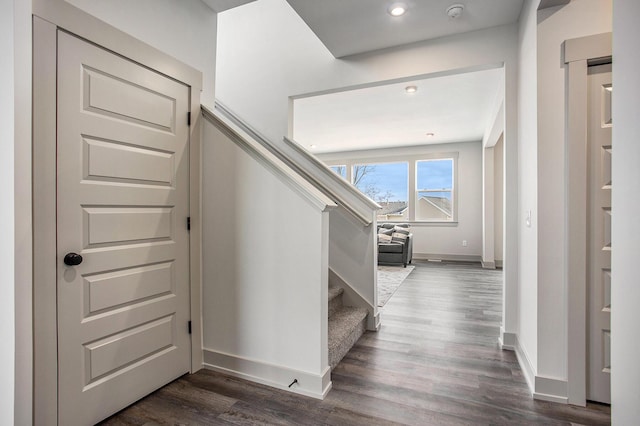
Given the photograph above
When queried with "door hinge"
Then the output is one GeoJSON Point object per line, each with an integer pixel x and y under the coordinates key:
{"type": "Point", "coordinates": [189, 118]}
{"type": "Point", "coordinates": [189, 325]}
{"type": "Point", "coordinates": [189, 224]}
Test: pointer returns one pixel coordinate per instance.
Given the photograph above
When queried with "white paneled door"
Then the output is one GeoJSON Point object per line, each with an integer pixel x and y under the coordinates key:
{"type": "Point", "coordinates": [123, 243]}
{"type": "Point", "coordinates": [599, 234]}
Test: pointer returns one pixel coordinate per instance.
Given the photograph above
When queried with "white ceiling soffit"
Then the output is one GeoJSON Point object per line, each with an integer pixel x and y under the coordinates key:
{"type": "Point", "coordinates": [222, 5]}
{"type": "Point", "coordinates": [357, 26]}
{"type": "Point", "coordinates": [544, 4]}
{"type": "Point", "coordinates": [455, 108]}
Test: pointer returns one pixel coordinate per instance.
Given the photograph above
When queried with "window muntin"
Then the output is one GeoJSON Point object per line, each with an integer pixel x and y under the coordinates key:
{"type": "Point", "coordinates": [340, 170]}
{"type": "Point", "coordinates": [430, 177]}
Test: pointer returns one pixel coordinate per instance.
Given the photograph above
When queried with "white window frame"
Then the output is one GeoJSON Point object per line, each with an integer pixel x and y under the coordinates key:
{"type": "Point", "coordinates": [454, 201]}
{"type": "Point", "coordinates": [412, 158]}
{"type": "Point", "coordinates": [346, 171]}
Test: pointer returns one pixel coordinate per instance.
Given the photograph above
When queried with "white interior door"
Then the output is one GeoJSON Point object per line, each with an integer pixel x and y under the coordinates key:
{"type": "Point", "coordinates": [599, 234]}
{"type": "Point", "coordinates": [122, 204]}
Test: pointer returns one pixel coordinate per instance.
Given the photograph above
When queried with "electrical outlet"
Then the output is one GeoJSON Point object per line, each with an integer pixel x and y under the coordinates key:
{"type": "Point", "coordinates": [464, 243]}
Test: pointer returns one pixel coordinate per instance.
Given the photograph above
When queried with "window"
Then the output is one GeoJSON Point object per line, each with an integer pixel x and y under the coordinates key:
{"type": "Point", "coordinates": [387, 184]}
{"type": "Point", "coordinates": [416, 187]}
{"type": "Point", "coordinates": [340, 171]}
{"type": "Point", "coordinates": [434, 190]}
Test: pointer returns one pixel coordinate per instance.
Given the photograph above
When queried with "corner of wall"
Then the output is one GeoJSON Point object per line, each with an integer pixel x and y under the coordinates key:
{"type": "Point", "coordinates": [277, 376]}
{"type": "Point", "coordinates": [527, 367]}
{"type": "Point", "coordinates": [550, 389]}
{"type": "Point", "coordinates": [507, 341]}
{"type": "Point", "coordinates": [20, 118]}
{"type": "Point", "coordinates": [7, 212]}
{"type": "Point", "coordinates": [542, 388]}
{"type": "Point", "coordinates": [625, 386]}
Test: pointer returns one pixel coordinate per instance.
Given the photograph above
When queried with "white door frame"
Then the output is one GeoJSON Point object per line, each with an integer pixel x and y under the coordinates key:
{"type": "Point", "coordinates": [579, 53]}
{"type": "Point", "coordinates": [49, 17]}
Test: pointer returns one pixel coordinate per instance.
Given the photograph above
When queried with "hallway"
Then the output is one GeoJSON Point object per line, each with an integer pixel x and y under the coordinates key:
{"type": "Point", "coordinates": [434, 361]}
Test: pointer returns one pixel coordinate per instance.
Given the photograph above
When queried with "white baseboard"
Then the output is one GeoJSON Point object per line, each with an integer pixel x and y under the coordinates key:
{"type": "Point", "coordinates": [526, 366]}
{"type": "Point", "coordinates": [551, 389]}
{"type": "Point", "coordinates": [488, 265]}
{"type": "Point", "coordinates": [506, 340]}
{"type": "Point", "coordinates": [542, 388]}
{"type": "Point", "coordinates": [277, 376]}
{"type": "Point", "coordinates": [374, 325]}
{"type": "Point", "coordinates": [449, 257]}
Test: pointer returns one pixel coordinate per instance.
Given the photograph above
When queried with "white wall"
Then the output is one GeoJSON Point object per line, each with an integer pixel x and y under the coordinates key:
{"type": "Point", "coordinates": [439, 240]}
{"type": "Point", "coordinates": [498, 220]}
{"type": "Point", "coordinates": [492, 170]}
{"type": "Point", "coordinates": [542, 292]}
{"type": "Point", "coordinates": [625, 292]}
{"type": "Point", "coordinates": [555, 25]}
{"type": "Point", "coordinates": [184, 29]}
{"type": "Point", "coordinates": [194, 44]}
{"type": "Point", "coordinates": [488, 206]}
{"type": "Point", "coordinates": [266, 54]}
{"type": "Point", "coordinates": [7, 321]}
{"type": "Point", "coordinates": [352, 248]}
{"type": "Point", "coordinates": [23, 207]}
{"type": "Point", "coordinates": [527, 184]}
{"type": "Point", "coordinates": [265, 268]}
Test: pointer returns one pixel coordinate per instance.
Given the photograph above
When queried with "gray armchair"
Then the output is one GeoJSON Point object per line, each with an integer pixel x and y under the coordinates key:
{"type": "Point", "coordinates": [400, 248]}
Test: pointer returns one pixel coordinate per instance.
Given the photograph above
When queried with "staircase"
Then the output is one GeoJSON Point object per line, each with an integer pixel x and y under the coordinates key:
{"type": "Point", "coordinates": [346, 325]}
{"type": "Point", "coordinates": [347, 228]}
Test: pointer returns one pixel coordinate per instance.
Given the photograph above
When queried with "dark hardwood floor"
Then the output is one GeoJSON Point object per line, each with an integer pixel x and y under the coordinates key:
{"type": "Point", "coordinates": [434, 361]}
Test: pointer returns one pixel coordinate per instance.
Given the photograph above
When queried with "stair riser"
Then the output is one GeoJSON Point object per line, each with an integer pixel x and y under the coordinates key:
{"type": "Point", "coordinates": [335, 356]}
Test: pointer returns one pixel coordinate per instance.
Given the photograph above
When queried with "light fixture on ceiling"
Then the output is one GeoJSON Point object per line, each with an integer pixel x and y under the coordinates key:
{"type": "Point", "coordinates": [455, 11]}
{"type": "Point", "coordinates": [411, 89]}
{"type": "Point", "coordinates": [430, 135]}
{"type": "Point", "coordinates": [397, 9]}
{"type": "Point", "coordinates": [313, 146]}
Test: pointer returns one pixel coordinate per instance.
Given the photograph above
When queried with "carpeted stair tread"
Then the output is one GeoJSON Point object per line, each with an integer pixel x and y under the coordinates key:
{"type": "Point", "coordinates": [335, 291]}
{"type": "Point", "coordinates": [346, 326]}
{"type": "Point", "coordinates": [335, 299]}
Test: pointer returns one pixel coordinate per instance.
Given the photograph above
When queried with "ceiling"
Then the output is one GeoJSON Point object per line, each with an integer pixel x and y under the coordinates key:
{"type": "Point", "coordinates": [456, 108]}
{"type": "Point", "coordinates": [348, 27]}
{"type": "Point", "coordinates": [222, 5]}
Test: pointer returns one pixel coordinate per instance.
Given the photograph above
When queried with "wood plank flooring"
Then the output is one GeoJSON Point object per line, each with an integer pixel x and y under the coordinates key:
{"type": "Point", "coordinates": [435, 361]}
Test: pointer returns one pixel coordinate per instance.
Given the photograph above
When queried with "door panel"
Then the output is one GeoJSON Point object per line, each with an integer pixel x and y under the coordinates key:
{"type": "Point", "coordinates": [118, 225]}
{"type": "Point", "coordinates": [136, 104]}
{"type": "Point", "coordinates": [122, 203]}
{"type": "Point", "coordinates": [110, 353]}
{"type": "Point", "coordinates": [599, 234]}
{"type": "Point", "coordinates": [127, 286]}
{"type": "Point", "coordinates": [115, 162]}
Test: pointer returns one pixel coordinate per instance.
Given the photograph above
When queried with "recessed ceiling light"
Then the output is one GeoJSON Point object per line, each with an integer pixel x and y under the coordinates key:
{"type": "Point", "coordinates": [411, 89]}
{"type": "Point", "coordinates": [397, 9]}
{"type": "Point", "coordinates": [313, 146]}
{"type": "Point", "coordinates": [430, 135]}
{"type": "Point", "coordinates": [455, 10]}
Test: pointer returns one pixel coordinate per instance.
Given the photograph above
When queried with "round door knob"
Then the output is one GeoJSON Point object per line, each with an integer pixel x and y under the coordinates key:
{"type": "Point", "coordinates": [72, 259]}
